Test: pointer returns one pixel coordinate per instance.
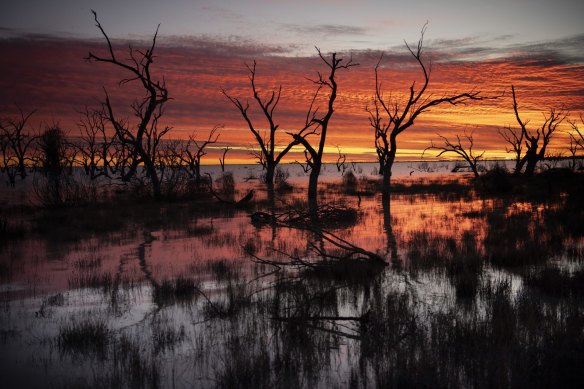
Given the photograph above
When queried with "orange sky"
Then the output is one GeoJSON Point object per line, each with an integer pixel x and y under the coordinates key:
{"type": "Point", "coordinates": [50, 75]}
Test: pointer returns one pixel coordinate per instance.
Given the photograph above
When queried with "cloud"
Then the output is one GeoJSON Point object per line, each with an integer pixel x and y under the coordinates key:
{"type": "Point", "coordinates": [565, 50]}
{"type": "Point", "coordinates": [232, 45]}
{"type": "Point", "coordinates": [50, 74]}
{"type": "Point", "coordinates": [326, 29]}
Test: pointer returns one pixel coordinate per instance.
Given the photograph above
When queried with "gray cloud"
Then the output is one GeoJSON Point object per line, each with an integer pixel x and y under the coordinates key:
{"type": "Point", "coordinates": [326, 29]}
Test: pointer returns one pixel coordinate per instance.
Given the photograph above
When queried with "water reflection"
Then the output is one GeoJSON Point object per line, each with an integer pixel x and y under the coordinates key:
{"type": "Point", "coordinates": [174, 298]}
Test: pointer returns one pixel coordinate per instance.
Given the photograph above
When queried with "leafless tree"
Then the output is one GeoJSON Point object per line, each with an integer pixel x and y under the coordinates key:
{"type": "Point", "coordinates": [576, 143]}
{"type": "Point", "coordinates": [465, 151]}
{"type": "Point", "coordinates": [316, 124]}
{"type": "Point", "coordinates": [222, 159]}
{"type": "Point", "coordinates": [534, 150]}
{"type": "Point", "coordinates": [380, 129]}
{"type": "Point", "coordinates": [145, 136]}
{"type": "Point", "coordinates": [514, 140]}
{"type": "Point", "coordinates": [341, 161]}
{"type": "Point", "coordinates": [577, 134]}
{"type": "Point", "coordinates": [95, 146]}
{"type": "Point", "coordinates": [16, 140]}
{"type": "Point", "coordinates": [9, 164]}
{"type": "Point", "coordinates": [192, 152]}
{"type": "Point", "coordinates": [266, 155]}
{"type": "Point", "coordinates": [400, 115]}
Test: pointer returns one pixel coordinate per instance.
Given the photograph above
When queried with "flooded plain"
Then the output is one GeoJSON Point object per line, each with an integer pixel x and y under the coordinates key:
{"type": "Point", "coordinates": [473, 289]}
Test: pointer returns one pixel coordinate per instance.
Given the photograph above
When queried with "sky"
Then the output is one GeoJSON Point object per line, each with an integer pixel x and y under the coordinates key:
{"type": "Point", "coordinates": [203, 46]}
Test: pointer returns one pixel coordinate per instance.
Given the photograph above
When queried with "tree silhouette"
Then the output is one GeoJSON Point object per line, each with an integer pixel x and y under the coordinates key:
{"type": "Point", "coordinates": [193, 151]}
{"type": "Point", "coordinates": [144, 138]}
{"type": "Point", "coordinates": [392, 117]}
{"type": "Point", "coordinates": [534, 150]}
{"type": "Point", "coordinates": [462, 150]}
{"type": "Point", "coordinates": [15, 144]}
{"type": "Point", "coordinates": [266, 155]}
{"type": "Point", "coordinates": [318, 125]}
{"type": "Point", "coordinates": [577, 134]}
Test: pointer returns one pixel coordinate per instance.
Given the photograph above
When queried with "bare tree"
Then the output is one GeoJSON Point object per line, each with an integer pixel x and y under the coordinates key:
{"type": "Point", "coordinates": [341, 161]}
{"type": "Point", "coordinates": [9, 164]}
{"type": "Point", "coordinates": [266, 155]}
{"type": "Point", "coordinates": [222, 159]}
{"type": "Point", "coordinates": [514, 140]}
{"type": "Point", "coordinates": [576, 143]}
{"type": "Point", "coordinates": [380, 130]}
{"type": "Point", "coordinates": [577, 136]}
{"type": "Point", "coordinates": [534, 150]}
{"type": "Point", "coordinates": [194, 150]}
{"type": "Point", "coordinates": [144, 138]}
{"type": "Point", "coordinates": [464, 151]}
{"type": "Point", "coordinates": [401, 115]}
{"type": "Point", "coordinates": [16, 140]}
{"type": "Point", "coordinates": [95, 146]}
{"type": "Point", "coordinates": [318, 125]}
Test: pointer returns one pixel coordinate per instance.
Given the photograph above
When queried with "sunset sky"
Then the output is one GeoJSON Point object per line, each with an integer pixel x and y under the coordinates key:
{"type": "Point", "coordinates": [203, 45]}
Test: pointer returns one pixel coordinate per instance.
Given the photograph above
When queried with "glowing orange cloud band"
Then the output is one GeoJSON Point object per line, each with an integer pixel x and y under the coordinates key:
{"type": "Point", "coordinates": [50, 75]}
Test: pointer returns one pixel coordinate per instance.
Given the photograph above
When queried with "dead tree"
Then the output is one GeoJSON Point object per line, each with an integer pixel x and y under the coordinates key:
{"type": "Point", "coordinates": [16, 142]}
{"type": "Point", "coordinates": [266, 155]}
{"type": "Point", "coordinates": [9, 164]}
{"type": "Point", "coordinates": [318, 125]}
{"type": "Point", "coordinates": [95, 147]}
{"type": "Point", "coordinates": [534, 150]}
{"type": "Point", "coordinates": [341, 161]}
{"type": "Point", "coordinates": [193, 151]}
{"type": "Point", "coordinates": [401, 115]}
{"type": "Point", "coordinates": [145, 136]}
{"type": "Point", "coordinates": [514, 140]}
{"type": "Point", "coordinates": [577, 135]}
{"type": "Point", "coordinates": [222, 159]}
{"type": "Point", "coordinates": [464, 151]}
{"type": "Point", "coordinates": [380, 130]}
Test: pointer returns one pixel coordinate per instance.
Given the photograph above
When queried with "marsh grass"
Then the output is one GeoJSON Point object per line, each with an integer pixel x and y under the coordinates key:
{"type": "Point", "coordinates": [557, 283]}
{"type": "Point", "coordinates": [486, 294]}
{"type": "Point", "coordinates": [129, 367]}
{"type": "Point", "coordinates": [88, 263]}
{"type": "Point", "coordinates": [181, 290]}
{"type": "Point", "coordinates": [165, 337]}
{"type": "Point", "coordinates": [223, 270]}
{"type": "Point", "coordinates": [87, 336]}
{"type": "Point", "coordinates": [88, 279]}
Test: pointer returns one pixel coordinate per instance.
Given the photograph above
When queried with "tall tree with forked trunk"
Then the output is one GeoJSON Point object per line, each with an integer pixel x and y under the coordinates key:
{"type": "Point", "coordinates": [144, 137]}
{"type": "Point", "coordinates": [534, 150]}
{"type": "Point", "coordinates": [316, 124]}
{"type": "Point", "coordinates": [392, 116]}
{"type": "Point", "coordinates": [267, 154]}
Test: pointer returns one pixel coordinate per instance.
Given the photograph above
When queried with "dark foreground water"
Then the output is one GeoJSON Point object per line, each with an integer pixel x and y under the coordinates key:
{"type": "Point", "coordinates": [479, 291]}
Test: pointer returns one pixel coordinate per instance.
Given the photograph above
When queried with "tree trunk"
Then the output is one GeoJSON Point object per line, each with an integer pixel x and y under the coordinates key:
{"type": "Point", "coordinates": [473, 166]}
{"type": "Point", "coordinates": [530, 167]}
{"type": "Point", "coordinates": [270, 168]}
{"type": "Point", "coordinates": [313, 181]}
{"type": "Point", "coordinates": [391, 241]}
{"type": "Point", "coordinates": [156, 192]}
{"type": "Point", "coordinates": [386, 184]}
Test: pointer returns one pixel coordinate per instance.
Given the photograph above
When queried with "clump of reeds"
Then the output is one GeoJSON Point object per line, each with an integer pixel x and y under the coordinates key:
{"type": "Point", "coordinates": [103, 281]}
{"type": "Point", "coordinates": [223, 270]}
{"type": "Point", "coordinates": [88, 263]}
{"type": "Point", "coordinates": [84, 336]}
{"type": "Point", "coordinates": [556, 282]}
{"type": "Point", "coordinates": [181, 290]}
{"type": "Point", "coordinates": [165, 339]}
